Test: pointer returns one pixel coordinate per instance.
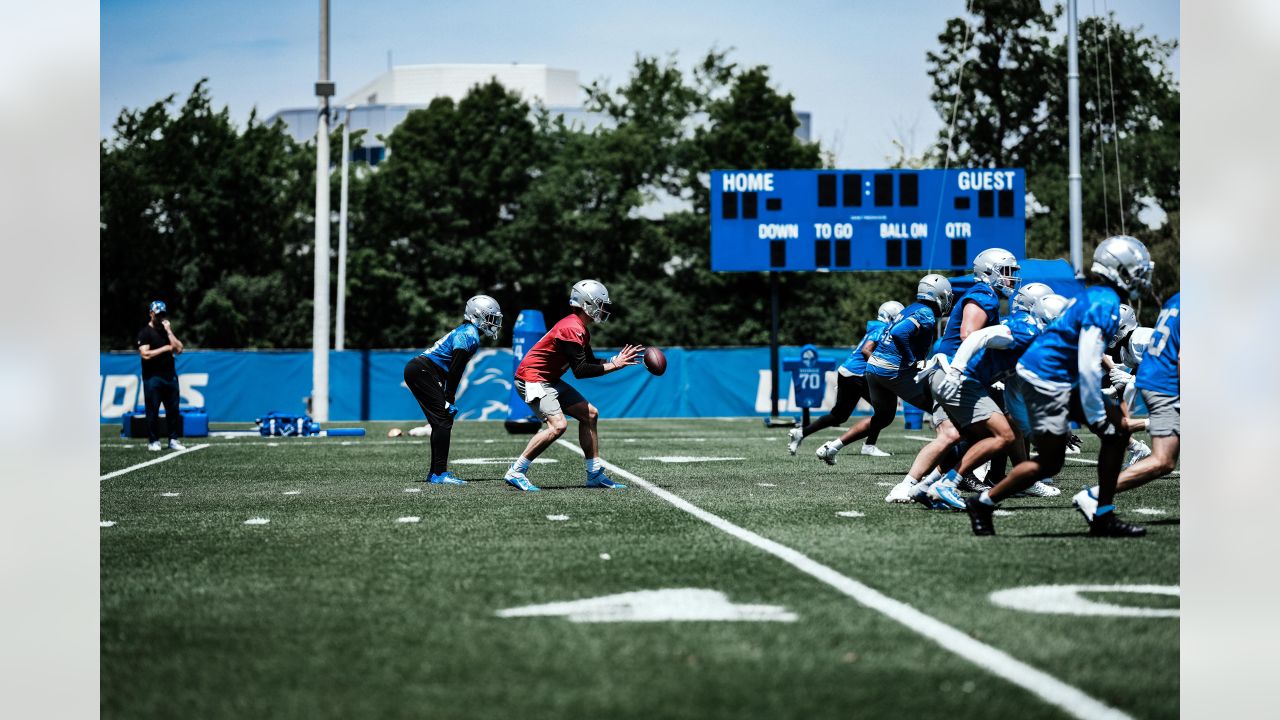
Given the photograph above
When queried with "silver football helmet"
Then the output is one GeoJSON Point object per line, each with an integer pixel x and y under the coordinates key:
{"type": "Point", "coordinates": [483, 312]}
{"type": "Point", "coordinates": [1124, 261]}
{"type": "Point", "coordinates": [936, 288]}
{"type": "Point", "coordinates": [998, 268]}
{"type": "Point", "coordinates": [1050, 308]}
{"type": "Point", "coordinates": [1133, 351]}
{"type": "Point", "coordinates": [890, 312]}
{"type": "Point", "coordinates": [1029, 295]}
{"type": "Point", "coordinates": [591, 296]}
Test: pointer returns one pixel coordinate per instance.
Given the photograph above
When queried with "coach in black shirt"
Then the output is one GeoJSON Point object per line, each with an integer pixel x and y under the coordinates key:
{"type": "Point", "coordinates": [158, 345]}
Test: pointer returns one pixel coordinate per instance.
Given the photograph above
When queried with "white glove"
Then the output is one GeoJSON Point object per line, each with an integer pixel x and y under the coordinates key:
{"type": "Point", "coordinates": [997, 386]}
{"type": "Point", "coordinates": [1120, 377]}
{"type": "Point", "coordinates": [951, 381]}
{"type": "Point", "coordinates": [938, 361]}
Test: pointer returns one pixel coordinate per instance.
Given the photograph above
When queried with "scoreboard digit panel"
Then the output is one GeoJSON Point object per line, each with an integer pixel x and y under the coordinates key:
{"type": "Point", "coordinates": [837, 220]}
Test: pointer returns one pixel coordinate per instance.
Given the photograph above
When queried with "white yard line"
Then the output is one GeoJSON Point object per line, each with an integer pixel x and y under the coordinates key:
{"type": "Point", "coordinates": [1047, 687]}
{"type": "Point", "coordinates": [160, 459]}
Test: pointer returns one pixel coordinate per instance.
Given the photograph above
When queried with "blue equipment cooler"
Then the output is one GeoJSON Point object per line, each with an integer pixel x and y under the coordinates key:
{"type": "Point", "coordinates": [529, 329]}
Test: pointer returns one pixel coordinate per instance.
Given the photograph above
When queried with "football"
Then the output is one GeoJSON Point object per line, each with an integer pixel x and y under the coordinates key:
{"type": "Point", "coordinates": [655, 360]}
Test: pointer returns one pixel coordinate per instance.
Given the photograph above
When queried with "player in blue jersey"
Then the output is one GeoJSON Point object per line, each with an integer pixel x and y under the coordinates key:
{"type": "Point", "coordinates": [1059, 378]}
{"type": "Point", "coordinates": [1158, 379]}
{"type": "Point", "coordinates": [851, 385]}
{"type": "Point", "coordinates": [984, 360]}
{"type": "Point", "coordinates": [995, 275]}
{"type": "Point", "coordinates": [891, 363]}
{"type": "Point", "coordinates": [433, 378]}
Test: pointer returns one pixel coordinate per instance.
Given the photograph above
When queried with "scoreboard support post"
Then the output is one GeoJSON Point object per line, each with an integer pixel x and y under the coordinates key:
{"type": "Point", "coordinates": [774, 420]}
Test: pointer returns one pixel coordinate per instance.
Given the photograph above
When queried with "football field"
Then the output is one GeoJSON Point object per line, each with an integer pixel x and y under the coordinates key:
{"type": "Point", "coordinates": [278, 577]}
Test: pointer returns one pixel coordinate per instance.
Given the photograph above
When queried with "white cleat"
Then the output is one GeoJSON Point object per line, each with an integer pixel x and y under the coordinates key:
{"type": "Point", "coordinates": [981, 472]}
{"type": "Point", "coordinates": [1086, 503]}
{"type": "Point", "coordinates": [874, 451]}
{"type": "Point", "coordinates": [795, 437]}
{"type": "Point", "coordinates": [154, 447]}
{"type": "Point", "coordinates": [1040, 490]}
{"type": "Point", "coordinates": [175, 445]}
{"type": "Point", "coordinates": [827, 453]}
{"type": "Point", "coordinates": [1137, 451]}
{"type": "Point", "coordinates": [901, 493]}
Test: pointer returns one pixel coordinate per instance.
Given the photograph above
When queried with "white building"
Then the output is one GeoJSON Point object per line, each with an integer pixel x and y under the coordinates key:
{"type": "Point", "coordinates": [381, 104]}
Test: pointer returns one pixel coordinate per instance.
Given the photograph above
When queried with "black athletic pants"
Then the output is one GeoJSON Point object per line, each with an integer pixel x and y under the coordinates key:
{"type": "Point", "coordinates": [157, 390]}
{"type": "Point", "coordinates": [426, 381]}
{"type": "Point", "coordinates": [849, 389]}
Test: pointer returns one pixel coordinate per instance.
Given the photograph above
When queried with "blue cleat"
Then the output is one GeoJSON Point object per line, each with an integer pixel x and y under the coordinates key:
{"type": "Point", "coordinates": [944, 491]}
{"type": "Point", "coordinates": [446, 478]}
{"type": "Point", "coordinates": [518, 481]}
{"type": "Point", "coordinates": [598, 479]}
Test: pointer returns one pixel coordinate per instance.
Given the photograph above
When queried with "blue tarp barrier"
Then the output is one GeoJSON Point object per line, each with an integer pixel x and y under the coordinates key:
{"type": "Point", "coordinates": [369, 385]}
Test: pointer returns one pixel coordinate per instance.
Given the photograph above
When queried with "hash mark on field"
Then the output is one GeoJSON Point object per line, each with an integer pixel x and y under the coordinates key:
{"type": "Point", "coordinates": [1148, 511]}
{"type": "Point", "coordinates": [689, 459]}
{"type": "Point", "coordinates": [106, 523]}
{"type": "Point", "coordinates": [605, 556]}
{"type": "Point", "coordinates": [850, 514]}
{"type": "Point", "coordinates": [409, 519]}
{"type": "Point", "coordinates": [1003, 513]}
{"type": "Point", "coordinates": [999, 663]}
{"type": "Point", "coordinates": [292, 492]}
{"type": "Point", "coordinates": [413, 489]}
{"type": "Point", "coordinates": [766, 485]}
{"type": "Point", "coordinates": [884, 484]}
{"type": "Point", "coordinates": [139, 466]}
{"type": "Point", "coordinates": [557, 518]}
{"type": "Point", "coordinates": [170, 494]}
{"type": "Point", "coordinates": [256, 521]}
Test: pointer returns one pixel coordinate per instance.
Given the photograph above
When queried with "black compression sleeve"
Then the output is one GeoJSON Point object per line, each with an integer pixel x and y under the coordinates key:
{"type": "Point", "coordinates": [456, 367]}
{"type": "Point", "coordinates": [582, 361]}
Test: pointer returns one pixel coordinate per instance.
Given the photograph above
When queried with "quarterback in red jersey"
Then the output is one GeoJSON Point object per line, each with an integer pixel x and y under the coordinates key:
{"type": "Point", "coordinates": [539, 380]}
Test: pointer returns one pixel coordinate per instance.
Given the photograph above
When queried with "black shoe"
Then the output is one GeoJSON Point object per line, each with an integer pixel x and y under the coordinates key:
{"type": "Point", "coordinates": [971, 483]}
{"type": "Point", "coordinates": [1108, 525]}
{"type": "Point", "coordinates": [980, 517]}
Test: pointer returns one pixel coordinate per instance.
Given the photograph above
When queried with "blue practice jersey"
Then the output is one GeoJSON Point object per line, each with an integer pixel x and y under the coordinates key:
{"type": "Point", "coordinates": [981, 295]}
{"type": "Point", "coordinates": [856, 363]}
{"type": "Point", "coordinates": [465, 338]}
{"type": "Point", "coordinates": [904, 342]}
{"type": "Point", "coordinates": [991, 364]}
{"type": "Point", "coordinates": [1054, 357]}
{"type": "Point", "coordinates": [1158, 371]}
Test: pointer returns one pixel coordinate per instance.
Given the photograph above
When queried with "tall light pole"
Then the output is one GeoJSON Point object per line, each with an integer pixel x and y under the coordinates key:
{"type": "Point", "coordinates": [320, 303]}
{"type": "Point", "coordinates": [340, 339]}
{"type": "Point", "coordinates": [1074, 202]}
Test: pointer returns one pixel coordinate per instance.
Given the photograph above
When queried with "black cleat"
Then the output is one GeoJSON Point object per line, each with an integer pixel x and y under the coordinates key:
{"type": "Point", "coordinates": [971, 483]}
{"type": "Point", "coordinates": [980, 517]}
{"type": "Point", "coordinates": [1108, 525]}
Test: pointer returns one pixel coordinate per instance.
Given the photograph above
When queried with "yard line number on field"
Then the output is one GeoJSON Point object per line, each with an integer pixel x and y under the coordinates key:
{"type": "Point", "coordinates": [1043, 685]}
{"type": "Point", "coordinates": [158, 460]}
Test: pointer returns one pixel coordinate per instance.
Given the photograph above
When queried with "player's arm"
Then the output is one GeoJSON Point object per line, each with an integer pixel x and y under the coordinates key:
{"type": "Point", "coordinates": [972, 320]}
{"type": "Point", "coordinates": [1089, 365]}
{"type": "Point", "coordinates": [582, 361]}
{"type": "Point", "coordinates": [457, 366]}
{"type": "Point", "coordinates": [900, 335]}
{"type": "Point", "coordinates": [996, 336]}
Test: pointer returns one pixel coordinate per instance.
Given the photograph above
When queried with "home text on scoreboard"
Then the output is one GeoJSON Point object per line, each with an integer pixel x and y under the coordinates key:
{"type": "Point", "coordinates": [798, 220]}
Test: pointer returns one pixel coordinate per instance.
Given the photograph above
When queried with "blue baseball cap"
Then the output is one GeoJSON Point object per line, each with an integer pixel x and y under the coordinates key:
{"type": "Point", "coordinates": [158, 307]}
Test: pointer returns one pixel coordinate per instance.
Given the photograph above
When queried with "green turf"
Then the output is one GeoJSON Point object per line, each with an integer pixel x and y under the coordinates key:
{"type": "Point", "coordinates": [334, 609]}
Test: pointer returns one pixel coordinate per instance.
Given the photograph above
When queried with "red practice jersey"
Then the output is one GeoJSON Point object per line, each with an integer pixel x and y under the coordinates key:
{"type": "Point", "coordinates": [567, 342]}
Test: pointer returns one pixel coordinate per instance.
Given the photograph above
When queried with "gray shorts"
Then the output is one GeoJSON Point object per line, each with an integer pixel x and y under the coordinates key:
{"type": "Point", "coordinates": [554, 395]}
{"type": "Point", "coordinates": [1164, 413]}
{"type": "Point", "coordinates": [970, 404]}
{"type": "Point", "coordinates": [883, 392]}
{"type": "Point", "coordinates": [1035, 411]}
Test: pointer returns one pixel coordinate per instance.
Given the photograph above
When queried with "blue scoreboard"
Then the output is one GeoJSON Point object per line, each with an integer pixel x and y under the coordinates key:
{"type": "Point", "coordinates": [864, 219]}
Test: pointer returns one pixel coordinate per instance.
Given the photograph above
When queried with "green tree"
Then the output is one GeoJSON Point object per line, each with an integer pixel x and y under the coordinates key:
{"type": "Point", "coordinates": [1011, 112]}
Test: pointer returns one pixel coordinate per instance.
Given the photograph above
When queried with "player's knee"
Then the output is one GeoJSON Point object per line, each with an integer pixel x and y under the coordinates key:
{"type": "Point", "coordinates": [840, 415]}
{"type": "Point", "coordinates": [1004, 434]}
{"type": "Point", "coordinates": [1050, 466]}
{"type": "Point", "coordinates": [592, 414]}
{"type": "Point", "coordinates": [556, 425]}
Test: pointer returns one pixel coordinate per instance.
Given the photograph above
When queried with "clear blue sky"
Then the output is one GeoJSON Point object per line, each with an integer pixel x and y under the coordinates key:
{"type": "Point", "coordinates": [859, 67]}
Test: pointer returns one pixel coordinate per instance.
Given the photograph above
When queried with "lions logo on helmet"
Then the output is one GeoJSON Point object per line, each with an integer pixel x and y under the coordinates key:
{"type": "Point", "coordinates": [1128, 321]}
{"type": "Point", "coordinates": [483, 312]}
{"type": "Point", "coordinates": [890, 312]}
{"type": "Point", "coordinates": [937, 289]}
{"type": "Point", "coordinates": [997, 268]}
{"type": "Point", "coordinates": [591, 296]}
{"type": "Point", "coordinates": [1125, 261]}
{"type": "Point", "coordinates": [1030, 294]}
